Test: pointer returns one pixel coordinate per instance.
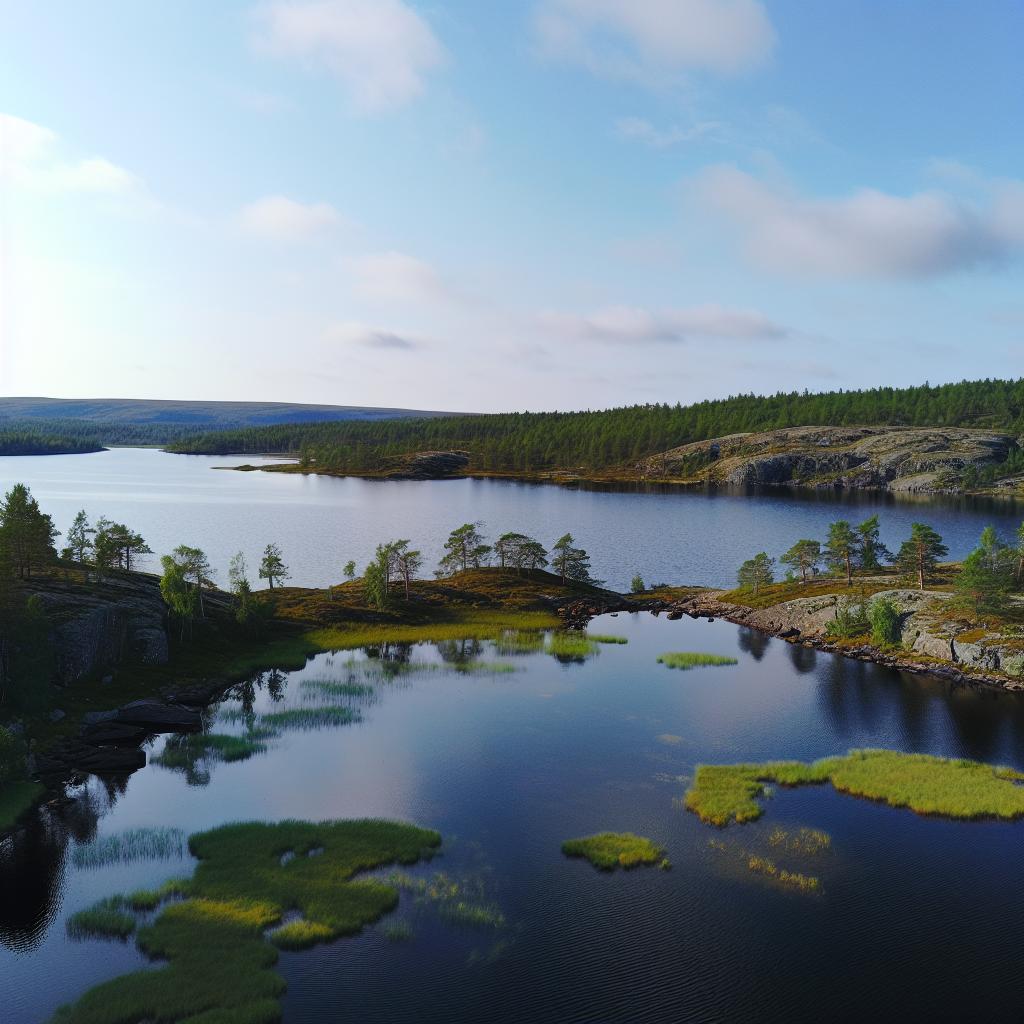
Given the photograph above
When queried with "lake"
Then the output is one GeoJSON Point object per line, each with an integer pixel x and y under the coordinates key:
{"type": "Point", "coordinates": [916, 918]}
{"type": "Point", "coordinates": [692, 537]}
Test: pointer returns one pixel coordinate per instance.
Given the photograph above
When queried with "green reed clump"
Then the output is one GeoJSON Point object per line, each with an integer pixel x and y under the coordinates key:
{"type": "Point", "coordinates": [184, 750]}
{"type": "Point", "coordinates": [692, 659]}
{"type": "Point", "coordinates": [610, 850]}
{"type": "Point", "coordinates": [109, 918]}
{"type": "Point", "coordinates": [150, 899]}
{"type": "Point", "coordinates": [219, 964]}
{"type": "Point", "coordinates": [337, 688]}
{"type": "Point", "coordinates": [482, 668]}
{"type": "Point", "coordinates": [133, 844]}
{"type": "Point", "coordinates": [457, 902]}
{"type": "Point", "coordinates": [791, 879]}
{"type": "Point", "coordinates": [804, 841]}
{"type": "Point", "coordinates": [570, 646]}
{"type": "Point", "coordinates": [311, 718]}
{"type": "Point", "coordinates": [920, 782]}
{"type": "Point", "coordinates": [607, 638]}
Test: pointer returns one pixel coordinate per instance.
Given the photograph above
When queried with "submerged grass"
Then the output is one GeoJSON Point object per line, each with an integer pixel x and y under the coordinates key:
{"type": "Point", "coordinates": [807, 842]}
{"type": "Point", "coordinates": [132, 844]}
{"type": "Point", "coordinates": [928, 785]}
{"type": "Point", "coordinates": [791, 879]}
{"type": "Point", "coordinates": [337, 688]}
{"type": "Point", "coordinates": [219, 965]}
{"type": "Point", "coordinates": [610, 850]}
{"type": "Point", "coordinates": [693, 659]}
{"type": "Point", "coordinates": [311, 718]}
{"type": "Point", "coordinates": [109, 918]}
{"type": "Point", "coordinates": [452, 899]}
{"type": "Point", "coordinates": [184, 750]}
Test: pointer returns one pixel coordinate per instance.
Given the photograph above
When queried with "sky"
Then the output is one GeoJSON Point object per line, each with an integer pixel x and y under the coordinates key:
{"type": "Point", "coordinates": [524, 204]}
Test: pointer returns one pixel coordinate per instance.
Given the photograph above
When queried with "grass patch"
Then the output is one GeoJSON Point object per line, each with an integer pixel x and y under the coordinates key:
{"type": "Point", "coordinates": [335, 688]}
{"type": "Point", "coordinates": [15, 799]}
{"type": "Point", "coordinates": [920, 782]}
{"type": "Point", "coordinates": [108, 919]}
{"type": "Point", "coordinates": [607, 638]}
{"type": "Point", "coordinates": [133, 844]}
{"type": "Point", "coordinates": [182, 751]}
{"type": "Point", "coordinates": [328, 716]}
{"type": "Point", "coordinates": [686, 660]}
{"type": "Point", "coordinates": [570, 646]}
{"type": "Point", "coordinates": [807, 842]}
{"type": "Point", "coordinates": [450, 896]}
{"type": "Point", "coordinates": [610, 850]}
{"type": "Point", "coordinates": [219, 965]}
{"type": "Point", "coordinates": [790, 879]}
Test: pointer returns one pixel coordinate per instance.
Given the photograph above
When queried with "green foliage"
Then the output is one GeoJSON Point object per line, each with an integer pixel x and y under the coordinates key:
{"type": "Point", "coordinates": [884, 618]}
{"type": "Point", "coordinates": [803, 557]}
{"type": "Point", "coordinates": [928, 785]}
{"type": "Point", "coordinates": [870, 549]}
{"type": "Point", "coordinates": [841, 548]}
{"type": "Point", "coordinates": [272, 567]}
{"type": "Point", "coordinates": [219, 965]}
{"type": "Point", "coordinates": [636, 585]}
{"type": "Point", "coordinates": [26, 533]}
{"type": "Point", "coordinates": [987, 576]}
{"type": "Point", "coordinates": [686, 660]}
{"type": "Point", "coordinates": [570, 562]}
{"type": "Point", "coordinates": [327, 716]}
{"type": "Point", "coordinates": [464, 549]}
{"type": "Point", "coordinates": [570, 646]}
{"type": "Point", "coordinates": [610, 850]}
{"type": "Point", "coordinates": [919, 555]}
{"type": "Point", "coordinates": [607, 638]}
{"type": "Point", "coordinates": [117, 546]}
{"type": "Point", "coordinates": [756, 572]}
{"type": "Point", "coordinates": [180, 597]}
{"type": "Point", "coordinates": [457, 902]}
{"type": "Point", "coordinates": [532, 442]}
{"type": "Point", "coordinates": [106, 919]}
{"type": "Point", "coordinates": [851, 620]}
{"type": "Point", "coordinates": [518, 551]}
{"type": "Point", "coordinates": [130, 845]}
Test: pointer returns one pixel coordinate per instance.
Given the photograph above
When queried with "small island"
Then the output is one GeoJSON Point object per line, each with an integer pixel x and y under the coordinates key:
{"type": "Point", "coordinates": [608, 851]}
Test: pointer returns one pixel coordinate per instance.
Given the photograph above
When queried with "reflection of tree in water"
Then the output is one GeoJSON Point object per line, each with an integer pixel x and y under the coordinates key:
{"type": "Point", "coordinates": [32, 860]}
{"type": "Point", "coordinates": [390, 653]}
{"type": "Point", "coordinates": [459, 652]}
{"type": "Point", "coordinates": [753, 642]}
{"type": "Point", "coordinates": [804, 659]}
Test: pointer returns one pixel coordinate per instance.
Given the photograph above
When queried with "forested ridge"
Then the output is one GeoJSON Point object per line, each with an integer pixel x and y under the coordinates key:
{"type": "Point", "coordinates": [19, 441]}
{"type": "Point", "coordinates": [594, 440]}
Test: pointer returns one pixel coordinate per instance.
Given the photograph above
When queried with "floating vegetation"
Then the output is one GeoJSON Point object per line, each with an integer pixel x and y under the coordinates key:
{"type": "Point", "coordinates": [450, 896]}
{"type": "Point", "coordinates": [805, 841]}
{"type": "Point", "coordinates": [570, 646]}
{"type": "Point", "coordinates": [482, 668]}
{"type": "Point", "coordinates": [133, 844]}
{"type": "Point", "coordinates": [692, 659]}
{"type": "Point", "coordinates": [517, 641]}
{"type": "Point", "coordinates": [793, 879]}
{"type": "Point", "coordinates": [219, 962]}
{"type": "Point", "coordinates": [610, 850]}
{"type": "Point", "coordinates": [336, 688]}
{"type": "Point", "coordinates": [184, 750]}
{"type": "Point", "coordinates": [607, 638]}
{"type": "Point", "coordinates": [923, 783]}
{"type": "Point", "coordinates": [311, 718]}
{"type": "Point", "coordinates": [397, 931]}
{"type": "Point", "coordinates": [109, 918]}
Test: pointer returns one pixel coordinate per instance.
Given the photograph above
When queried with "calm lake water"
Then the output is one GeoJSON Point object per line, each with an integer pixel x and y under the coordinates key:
{"type": "Point", "coordinates": [320, 522]}
{"type": "Point", "coordinates": [918, 919]}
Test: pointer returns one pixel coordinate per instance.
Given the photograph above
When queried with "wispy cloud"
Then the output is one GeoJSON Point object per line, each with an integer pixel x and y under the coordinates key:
{"type": "Point", "coordinates": [286, 220]}
{"type": "Point", "coordinates": [632, 324]}
{"type": "Point", "coordinates": [649, 39]}
{"type": "Point", "coordinates": [364, 336]}
{"type": "Point", "coordinates": [397, 276]}
{"type": "Point", "coordinates": [638, 129]}
{"type": "Point", "coordinates": [867, 233]}
{"type": "Point", "coordinates": [380, 50]}
{"type": "Point", "coordinates": [31, 156]}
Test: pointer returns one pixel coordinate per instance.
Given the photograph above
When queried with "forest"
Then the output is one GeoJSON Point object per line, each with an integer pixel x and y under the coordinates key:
{"type": "Point", "coordinates": [595, 440]}
{"type": "Point", "coordinates": [21, 441]}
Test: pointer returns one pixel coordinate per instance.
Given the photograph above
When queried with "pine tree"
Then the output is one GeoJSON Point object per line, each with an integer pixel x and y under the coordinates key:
{"type": "Point", "coordinates": [870, 548]}
{"type": "Point", "coordinates": [26, 533]}
{"type": "Point", "coordinates": [841, 548]}
{"type": "Point", "coordinates": [464, 549]}
{"type": "Point", "coordinates": [570, 562]}
{"type": "Point", "coordinates": [803, 557]}
{"type": "Point", "coordinates": [920, 554]}
{"type": "Point", "coordinates": [272, 567]}
{"type": "Point", "coordinates": [756, 572]}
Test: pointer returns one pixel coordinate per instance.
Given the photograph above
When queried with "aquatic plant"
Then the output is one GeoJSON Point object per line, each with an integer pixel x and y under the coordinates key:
{"type": "Point", "coordinates": [805, 841]}
{"type": "Point", "coordinates": [482, 668]}
{"type": "Point", "coordinates": [450, 896]}
{"type": "Point", "coordinates": [182, 751]}
{"type": "Point", "coordinates": [607, 638]}
{"type": "Point", "coordinates": [691, 659]}
{"type": "Point", "coordinates": [311, 717]}
{"type": "Point", "coordinates": [610, 850]}
{"type": "Point", "coordinates": [570, 646]}
{"type": "Point", "coordinates": [109, 918]}
{"type": "Point", "coordinates": [219, 963]}
{"type": "Point", "coordinates": [133, 844]}
{"type": "Point", "coordinates": [337, 688]}
{"type": "Point", "coordinates": [793, 879]}
{"type": "Point", "coordinates": [928, 785]}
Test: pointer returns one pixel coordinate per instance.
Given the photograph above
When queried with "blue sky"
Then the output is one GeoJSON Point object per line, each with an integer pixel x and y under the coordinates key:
{"type": "Point", "coordinates": [538, 204]}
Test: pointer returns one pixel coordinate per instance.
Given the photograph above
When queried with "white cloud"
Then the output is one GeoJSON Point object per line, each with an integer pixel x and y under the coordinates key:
{"type": "Point", "coordinates": [381, 50]}
{"type": "Point", "coordinates": [867, 233]}
{"type": "Point", "coordinates": [30, 156]}
{"type": "Point", "coordinates": [284, 219]}
{"type": "Point", "coordinates": [391, 276]}
{"type": "Point", "coordinates": [630, 324]}
{"type": "Point", "coordinates": [369, 337]}
{"type": "Point", "coordinates": [639, 130]}
{"type": "Point", "coordinates": [647, 39]}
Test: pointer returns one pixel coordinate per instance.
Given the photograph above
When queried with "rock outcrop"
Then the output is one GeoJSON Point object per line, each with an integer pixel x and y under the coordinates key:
{"type": "Point", "coordinates": [426, 465]}
{"type": "Point", "coordinates": [890, 458]}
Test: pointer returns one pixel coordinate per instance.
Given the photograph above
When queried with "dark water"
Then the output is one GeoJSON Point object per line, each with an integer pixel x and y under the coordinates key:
{"type": "Point", "coordinates": [321, 523]}
{"type": "Point", "coordinates": [918, 919]}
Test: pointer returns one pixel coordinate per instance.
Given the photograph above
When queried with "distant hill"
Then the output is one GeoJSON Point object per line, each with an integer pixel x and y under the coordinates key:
{"type": "Point", "coordinates": [212, 415]}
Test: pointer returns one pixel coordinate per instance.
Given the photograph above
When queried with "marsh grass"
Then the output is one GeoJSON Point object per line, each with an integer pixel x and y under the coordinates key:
{"type": "Point", "coordinates": [457, 902]}
{"type": "Point", "coordinates": [791, 879]}
{"type": "Point", "coordinates": [691, 659]}
{"type": "Point", "coordinates": [109, 919]}
{"type": "Point", "coordinates": [325, 717]}
{"type": "Point", "coordinates": [610, 850]}
{"type": "Point", "coordinates": [182, 751]}
{"type": "Point", "coordinates": [337, 688]}
{"type": "Point", "coordinates": [607, 638]}
{"type": "Point", "coordinates": [482, 668]}
{"type": "Point", "coordinates": [807, 842]}
{"type": "Point", "coordinates": [570, 646]}
{"type": "Point", "coordinates": [219, 966]}
{"type": "Point", "coordinates": [131, 845]}
{"type": "Point", "coordinates": [920, 782]}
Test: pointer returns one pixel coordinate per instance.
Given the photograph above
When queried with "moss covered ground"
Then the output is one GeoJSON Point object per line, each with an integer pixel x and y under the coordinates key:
{"type": "Point", "coordinates": [219, 963]}
{"type": "Point", "coordinates": [920, 782]}
{"type": "Point", "coordinates": [610, 850]}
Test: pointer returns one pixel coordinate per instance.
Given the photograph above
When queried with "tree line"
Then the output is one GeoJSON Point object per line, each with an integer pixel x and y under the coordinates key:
{"type": "Point", "coordinates": [984, 583]}
{"type": "Point", "coordinates": [590, 440]}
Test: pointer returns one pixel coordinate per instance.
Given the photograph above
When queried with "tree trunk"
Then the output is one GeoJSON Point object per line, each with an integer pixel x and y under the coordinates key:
{"type": "Point", "coordinates": [849, 569]}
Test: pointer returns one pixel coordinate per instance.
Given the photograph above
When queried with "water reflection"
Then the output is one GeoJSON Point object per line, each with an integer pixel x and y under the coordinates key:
{"type": "Point", "coordinates": [752, 642]}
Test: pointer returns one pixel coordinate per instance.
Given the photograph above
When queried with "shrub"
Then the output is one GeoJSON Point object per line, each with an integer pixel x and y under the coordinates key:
{"type": "Point", "coordinates": [851, 620]}
{"type": "Point", "coordinates": [637, 584]}
{"type": "Point", "coordinates": [884, 617]}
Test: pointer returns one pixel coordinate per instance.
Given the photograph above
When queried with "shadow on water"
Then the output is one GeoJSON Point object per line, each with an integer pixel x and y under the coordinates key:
{"type": "Point", "coordinates": [752, 642]}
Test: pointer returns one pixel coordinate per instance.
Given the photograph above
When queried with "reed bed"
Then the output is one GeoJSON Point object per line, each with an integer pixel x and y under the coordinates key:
{"type": "Point", "coordinates": [134, 844]}
{"type": "Point", "coordinates": [686, 660]}
{"type": "Point", "coordinates": [610, 850]}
